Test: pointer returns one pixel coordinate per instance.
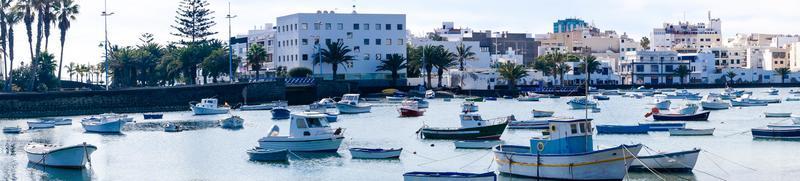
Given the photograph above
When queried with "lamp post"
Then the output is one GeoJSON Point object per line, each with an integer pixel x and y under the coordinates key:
{"type": "Point", "coordinates": [230, 43]}
{"type": "Point", "coordinates": [105, 15]}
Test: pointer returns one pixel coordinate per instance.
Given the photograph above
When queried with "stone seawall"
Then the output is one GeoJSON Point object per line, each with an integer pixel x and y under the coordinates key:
{"type": "Point", "coordinates": [23, 105]}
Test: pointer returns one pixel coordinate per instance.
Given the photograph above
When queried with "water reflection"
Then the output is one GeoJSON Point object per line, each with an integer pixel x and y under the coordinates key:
{"type": "Point", "coordinates": [53, 173]}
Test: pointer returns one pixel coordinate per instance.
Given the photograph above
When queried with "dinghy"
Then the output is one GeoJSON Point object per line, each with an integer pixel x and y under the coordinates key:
{"type": "Point", "coordinates": [664, 126]}
{"type": "Point", "coordinates": [529, 124]}
{"type": "Point", "coordinates": [582, 103]}
{"type": "Point", "coordinates": [265, 106]}
{"type": "Point", "coordinates": [74, 156]}
{"type": "Point", "coordinates": [152, 115]}
{"type": "Point", "coordinates": [776, 133]}
{"type": "Point", "coordinates": [40, 124]}
{"type": "Point", "coordinates": [469, 106]}
{"type": "Point", "coordinates": [777, 114]}
{"type": "Point", "coordinates": [682, 161]}
{"type": "Point", "coordinates": [280, 113]}
{"type": "Point", "coordinates": [477, 144]}
{"type": "Point", "coordinates": [421, 103]}
{"type": "Point", "coordinates": [529, 96]}
{"type": "Point", "coordinates": [57, 121]}
{"type": "Point", "coordinates": [410, 109]}
{"type": "Point", "coordinates": [449, 176]}
{"type": "Point", "coordinates": [12, 130]}
{"type": "Point", "coordinates": [171, 127]}
{"type": "Point", "coordinates": [601, 97]}
{"type": "Point", "coordinates": [691, 132]}
{"type": "Point", "coordinates": [308, 132]}
{"type": "Point", "coordinates": [375, 153]}
{"type": "Point", "coordinates": [540, 113]}
{"type": "Point", "coordinates": [712, 102]}
{"type": "Point", "coordinates": [658, 116]}
{"type": "Point", "coordinates": [233, 122]}
{"type": "Point", "coordinates": [268, 155]}
{"type": "Point", "coordinates": [103, 124]}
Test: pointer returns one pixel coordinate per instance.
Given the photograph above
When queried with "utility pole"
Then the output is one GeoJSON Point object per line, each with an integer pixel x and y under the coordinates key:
{"type": "Point", "coordinates": [230, 42]}
{"type": "Point", "coordinates": [105, 15]}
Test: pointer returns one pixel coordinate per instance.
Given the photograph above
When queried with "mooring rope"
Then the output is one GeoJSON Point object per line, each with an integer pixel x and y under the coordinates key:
{"type": "Point", "coordinates": [736, 163]}
{"type": "Point", "coordinates": [643, 164]}
{"type": "Point", "coordinates": [476, 160]}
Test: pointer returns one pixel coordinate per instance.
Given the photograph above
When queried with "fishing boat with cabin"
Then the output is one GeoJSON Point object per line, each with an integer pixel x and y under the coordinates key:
{"type": "Point", "coordinates": [350, 105]}
{"type": "Point", "coordinates": [472, 127]}
{"type": "Point", "coordinates": [308, 132]}
{"type": "Point", "coordinates": [208, 106]}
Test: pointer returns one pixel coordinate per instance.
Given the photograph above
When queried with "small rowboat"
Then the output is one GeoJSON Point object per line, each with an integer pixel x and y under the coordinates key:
{"type": "Point", "coordinates": [477, 144]}
{"type": "Point", "coordinates": [233, 122]}
{"type": "Point", "coordinates": [375, 153]}
{"type": "Point", "coordinates": [540, 113]}
{"type": "Point", "coordinates": [266, 155]}
{"type": "Point", "coordinates": [664, 126]}
{"type": "Point", "coordinates": [691, 132]}
{"type": "Point", "coordinates": [12, 130]}
{"type": "Point", "coordinates": [601, 97]}
{"type": "Point", "coordinates": [265, 106]}
{"type": "Point", "coordinates": [171, 127]}
{"type": "Point", "coordinates": [74, 156]}
{"type": "Point", "coordinates": [448, 176]}
{"type": "Point", "coordinates": [776, 133]}
{"type": "Point", "coordinates": [153, 115]}
{"type": "Point", "coordinates": [783, 126]}
{"type": "Point", "coordinates": [57, 121]}
{"type": "Point", "coordinates": [682, 161]}
{"type": "Point", "coordinates": [777, 114]}
{"type": "Point", "coordinates": [280, 113]}
{"type": "Point", "coordinates": [622, 129]}
{"type": "Point", "coordinates": [703, 116]}
{"type": "Point", "coordinates": [40, 124]}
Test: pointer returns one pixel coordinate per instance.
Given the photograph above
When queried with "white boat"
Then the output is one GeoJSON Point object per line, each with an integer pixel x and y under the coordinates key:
{"type": "Point", "coordinates": [267, 155]}
{"type": "Point", "coordinates": [687, 109]}
{"type": "Point", "coordinates": [682, 161]}
{"type": "Point", "coordinates": [777, 114]}
{"type": "Point", "coordinates": [469, 106]}
{"type": "Point", "coordinates": [528, 124]}
{"type": "Point", "coordinates": [772, 91]}
{"type": "Point", "coordinates": [662, 103]}
{"type": "Point", "coordinates": [327, 103]}
{"type": "Point", "coordinates": [265, 106]}
{"type": "Point", "coordinates": [713, 102]}
{"type": "Point", "coordinates": [529, 96]}
{"type": "Point", "coordinates": [233, 122]}
{"type": "Point", "coordinates": [308, 132]}
{"type": "Point", "coordinates": [540, 113]}
{"type": "Point", "coordinates": [430, 94]}
{"type": "Point", "coordinates": [40, 124]}
{"type": "Point", "coordinates": [124, 117]}
{"type": "Point", "coordinates": [683, 94]}
{"type": "Point", "coordinates": [596, 110]}
{"type": "Point", "coordinates": [691, 132]}
{"type": "Point", "coordinates": [477, 144]}
{"type": "Point", "coordinates": [449, 176]}
{"type": "Point", "coordinates": [58, 121]}
{"type": "Point", "coordinates": [582, 103]}
{"type": "Point", "coordinates": [171, 127]}
{"type": "Point", "coordinates": [394, 99]}
{"type": "Point", "coordinates": [566, 152]}
{"type": "Point", "coordinates": [103, 124]}
{"type": "Point", "coordinates": [746, 101]}
{"type": "Point", "coordinates": [375, 153]}
{"type": "Point", "coordinates": [12, 130]}
{"type": "Point", "coordinates": [208, 106]}
{"type": "Point", "coordinates": [74, 156]}
{"type": "Point", "coordinates": [350, 105]}
{"type": "Point", "coordinates": [793, 97]}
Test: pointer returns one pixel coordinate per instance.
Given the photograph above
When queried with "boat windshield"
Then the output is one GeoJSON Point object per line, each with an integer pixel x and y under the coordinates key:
{"type": "Point", "coordinates": [315, 123]}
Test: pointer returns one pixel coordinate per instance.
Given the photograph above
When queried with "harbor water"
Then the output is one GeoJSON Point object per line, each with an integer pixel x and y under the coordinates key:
{"type": "Point", "coordinates": [208, 152]}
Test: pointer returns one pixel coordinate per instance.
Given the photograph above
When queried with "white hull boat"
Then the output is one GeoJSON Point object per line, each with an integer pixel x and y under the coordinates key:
{"type": "Point", "coordinates": [738, 103]}
{"type": "Point", "coordinates": [582, 103]}
{"type": "Point", "coordinates": [449, 176]}
{"type": "Point", "coordinates": [606, 164]}
{"type": "Point", "coordinates": [691, 132]}
{"type": "Point", "coordinates": [311, 144]}
{"type": "Point", "coordinates": [103, 125]}
{"type": "Point", "coordinates": [74, 156]}
{"type": "Point", "coordinates": [353, 109]}
{"type": "Point", "coordinates": [58, 121]}
{"type": "Point", "coordinates": [209, 111]}
{"type": "Point", "coordinates": [171, 127]}
{"type": "Point", "coordinates": [393, 99]}
{"type": "Point", "coordinates": [372, 153]}
{"type": "Point", "coordinates": [232, 122]}
{"type": "Point", "coordinates": [663, 104]}
{"type": "Point", "coordinates": [12, 130]}
{"type": "Point", "coordinates": [40, 124]}
{"type": "Point", "coordinates": [777, 114]}
{"type": "Point", "coordinates": [528, 124]}
{"type": "Point", "coordinates": [477, 144]}
{"type": "Point", "coordinates": [540, 113]}
{"type": "Point", "coordinates": [308, 132]}
{"type": "Point", "coordinates": [683, 161]}
{"type": "Point", "coordinates": [256, 107]}
{"type": "Point", "coordinates": [714, 105]}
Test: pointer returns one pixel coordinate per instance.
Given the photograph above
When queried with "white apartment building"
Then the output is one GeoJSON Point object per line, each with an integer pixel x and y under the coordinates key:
{"type": "Point", "coordinates": [688, 36]}
{"type": "Point", "coordinates": [729, 57]}
{"type": "Point", "coordinates": [650, 67]}
{"type": "Point", "coordinates": [794, 56]}
{"type": "Point", "coordinates": [510, 56]}
{"type": "Point", "coordinates": [265, 36]}
{"type": "Point", "coordinates": [755, 57]}
{"type": "Point", "coordinates": [701, 65]}
{"type": "Point", "coordinates": [371, 37]}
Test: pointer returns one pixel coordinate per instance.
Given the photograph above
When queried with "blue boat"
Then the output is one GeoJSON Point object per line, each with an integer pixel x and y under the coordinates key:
{"type": "Point", "coordinates": [702, 116]}
{"type": "Point", "coordinates": [490, 98]}
{"type": "Point", "coordinates": [622, 129]}
{"type": "Point", "coordinates": [433, 176]}
{"type": "Point", "coordinates": [153, 115]}
{"type": "Point", "coordinates": [280, 113]}
{"type": "Point", "coordinates": [776, 133]}
{"type": "Point", "coordinates": [601, 97]}
{"type": "Point", "coordinates": [331, 117]}
{"type": "Point", "coordinates": [663, 126]}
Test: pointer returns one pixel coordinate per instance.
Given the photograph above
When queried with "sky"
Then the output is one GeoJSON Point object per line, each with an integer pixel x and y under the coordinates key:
{"type": "Point", "coordinates": [635, 17]}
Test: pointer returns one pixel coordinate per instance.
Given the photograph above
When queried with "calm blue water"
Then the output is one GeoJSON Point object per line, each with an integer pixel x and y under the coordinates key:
{"type": "Point", "coordinates": [145, 152]}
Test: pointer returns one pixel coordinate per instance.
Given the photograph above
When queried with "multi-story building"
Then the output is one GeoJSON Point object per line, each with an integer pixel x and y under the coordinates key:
{"type": "Point", "coordinates": [603, 76]}
{"type": "Point", "coordinates": [729, 57]}
{"type": "Point", "coordinates": [650, 67]}
{"type": "Point", "coordinates": [370, 37]}
{"type": "Point", "coordinates": [794, 56]}
{"type": "Point", "coordinates": [576, 37]}
{"type": "Point", "coordinates": [500, 42]}
{"type": "Point", "coordinates": [568, 25]}
{"type": "Point", "coordinates": [687, 36]}
{"type": "Point", "coordinates": [755, 57]}
{"type": "Point", "coordinates": [701, 65]}
{"type": "Point", "coordinates": [264, 36]}
{"type": "Point", "coordinates": [775, 58]}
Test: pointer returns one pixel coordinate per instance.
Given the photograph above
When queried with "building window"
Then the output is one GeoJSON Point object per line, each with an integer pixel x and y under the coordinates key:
{"type": "Point", "coordinates": [388, 41]}
{"type": "Point", "coordinates": [654, 68]}
{"type": "Point", "coordinates": [399, 26]}
{"type": "Point", "coordinates": [639, 68]}
{"type": "Point", "coordinates": [355, 26]}
{"type": "Point", "coordinates": [668, 68]}
{"type": "Point", "coordinates": [378, 56]}
{"type": "Point", "coordinates": [366, 56]}
{"type": "Point", "coordinates": [388, 27]}
{"type": "Point", "coordinates": [327, 26]}
{"type": "Point", "coordinates": [366, 41]}
{"type": "Point", "coordinates": [349, 35]}
{"type": "Point", "coordinates": [305, 41]}
{"type": "Point", "coordinates": [317, 26]}
{"type": "Point", "coordinates": [305, 56]}
{"type": "Point", "coordinates": [304, 26]}
{"type": "Point", "coordinates": [400, 41]}
{"type": "Point", "coordinates": [356, 49]}
{"type": "Point", "coordinates": [340, 26]}
{"type": "Point", "coordinates": [378, 42]}
{"type": "Point", "coordinates": [377, 26]}
{"type": "Point", "coordinates": [366, 26]}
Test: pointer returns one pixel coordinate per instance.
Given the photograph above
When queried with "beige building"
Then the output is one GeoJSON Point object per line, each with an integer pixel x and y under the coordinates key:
{"type": "Point", "coordinates": [775, 58]}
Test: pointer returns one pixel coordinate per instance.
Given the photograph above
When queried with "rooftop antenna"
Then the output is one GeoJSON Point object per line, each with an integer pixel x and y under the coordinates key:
{"type": "Point", "coordinates": [354, 6]}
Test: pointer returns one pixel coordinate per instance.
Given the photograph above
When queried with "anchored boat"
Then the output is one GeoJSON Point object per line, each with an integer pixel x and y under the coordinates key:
{"type": "Point", "coordinates": [622, 129]}
{"type": "Point", "coordinates": [713, 102]}
{"type": "Point", "coordinates": [449, 176]}
{"type": "Point", "coordinates": [233, 122]}
{"type": "Point", "coordinates": [582, 103]}
{"type": "Point", "coordinates": [663, 126]}
{"type": "Point", "coordinates": [566, 152]}
{"type": "Point", "coordinates": [40, 124]}
{"type": "Point", "coordinates": [682, 161]}
{"type": "Point", "coordinates": [208, 106]}
{"type": "Point", "coordinates": [280, 113]}
{"type": "Point", "coordinates": [109, 123]}
{"type": "Point", "coordinates": [776, 132]}
{"type": "Point", "coordinates": [529, 124]}
{"type": "Point", "coordinates": [268, 155]}
{"type": "Point", "coordinates": [74, 156]}
{"type": "Point", "coordinates": [308, 132]}
{"type": "Point", "coordinates": [540, 113]}
{"type": "Point", "coordinates": [410, 109]}
{"type": "Point", "coordinates": [152, 115]}
{"type": "Point", "coordinates": [691, 132]}
{"type": "Point", "coordinates": [350, 105]}
{"type": "Point", "coordinates": [12, 130]}
{"type": "Point", "coordinates": [469, 106]}
{"type": "Point", "coordinates": [375, 153]}
{"type": "Point", "coordinates": [472, 127]}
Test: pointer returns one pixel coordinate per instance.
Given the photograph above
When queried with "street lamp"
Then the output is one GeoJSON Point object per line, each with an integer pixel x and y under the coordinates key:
{"type": "Point", "coordinates": [105, 15]}
{"type": "Point", "coordinates": [230, 42]}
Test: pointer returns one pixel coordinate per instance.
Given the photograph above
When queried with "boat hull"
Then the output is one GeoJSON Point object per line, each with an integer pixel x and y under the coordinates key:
{"type": "Point", "coordinates": [483, 132]}
{"type": "Point", "coordinates": [353, 109]}
{"type": "Point", "coordinates": [714, 105]}
{"type": "Point", "coordinates": [747, 103]}
{"type": "Point", "coordinates": [683, 161]}
{"type": "Point", "coordinates": [703, 116]}
{"type": "Point", "coordinates": [448, 176]}
{"type": "Point", "coordinates": [691, 132]}
{"type": "Point", "coordinates": [477, 144]}
{"type": "Point", "coordinates": [539, 114]}
{"type": "Point", "coordinates": [40, 125]}
{"type": "Point", "coordinates": [776, 133]}
{"type": "Point", "coordinates": [104, 127]}
{"type": "Point", "coordinates": [232, 123]}
{"type": "Point", "coordinates": [543, 124]}
{"type": "Point", "coordinates": [153, 116]}
{"type": "Point", "coordinates": [67, 157]}
{"type": "Point", "coordinates": [606, 164]}
{"type": "Point", "coordinates": [664, 126]}
{"type": "Point", "coordinates": [622, 129]}
{"type": "Point", "coordinates": [777, 115]}
{"type": "Point", "coordinates": [404, 112]}
{"type": "Point", "coordinates": [375, 154]}
{"type": "Point", "coordinates": [302, 145]}
{"type": "Point", "coordinates": [209, 111]}
{"type": "Point", "coordinates": [256, 107]}
{"type": "Point", "coordinates": [280, 114]}
{"type": "Point", "coordinates": [525, 99]}
{"type": "Point", "coordinates": [268, 155]}
{"type": "Point", "coordinates": [663, 105]}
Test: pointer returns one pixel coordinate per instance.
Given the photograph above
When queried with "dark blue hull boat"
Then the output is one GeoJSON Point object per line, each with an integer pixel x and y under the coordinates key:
{"type": "Point", "coordinates": [280, 113]}
{"type": "Point", "coordinates": [703, 116]}
{"type": "Point", "coordinates": [776, 133]}
{"type": "Point", "coordinates": [664, 126]}
{"type": "Point", "coordinates": [622, 129]}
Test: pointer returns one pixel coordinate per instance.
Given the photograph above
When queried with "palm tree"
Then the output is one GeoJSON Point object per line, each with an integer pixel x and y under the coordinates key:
{"type": "Point", "coordinates": [511, 72]}
{"type": "Point", "coordinates": [335, 53]}
{"type": "Point", "coordinates": [256, 56]}
{"type": "Point", "coordinates": [4, 9]}
{"type": "Point", "coordinates": [27, 7]}
{"type": "Point", "coordinates": [393, 63]}
{"type": "Point", "coordinates": [462, 54]}
{"type": "Point", "coordinates": [67, 9]}
{"type": "Point", "coordinates": [11, 18]}
{"type": "Point", "coordinates": [593, 66]}
{"type": "Point", "coordinates": [783, 72]}
{"type": "Point", "coordinates": [682, 72]}
{"type": "Point", "coordinates": [544, 65]}
{"type": "Point", "coordinates": [48, 10]}
{"type": "Point", "coordinates": [731, 75]}
{"type": "Point", "coordinates": [71, 69]}
{"type": "Point", "coordinates": [427, 64]}
{"type": "Point", "coordinates": [559, 60]}
{"type": "Point", "coordinates": [442, 59]}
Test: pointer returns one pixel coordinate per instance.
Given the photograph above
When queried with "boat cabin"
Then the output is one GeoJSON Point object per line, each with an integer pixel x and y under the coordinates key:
{"type": "Point", "coordinates": [350, 99]}
{"type": "Point", "coordinates": [208, 103]}
{"type": "Point", "coordinates": [470, 120]}
{"type": "Point", "coordinates": [309, 124]}
{"type": "Point", "coordinates": [564, 136]}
